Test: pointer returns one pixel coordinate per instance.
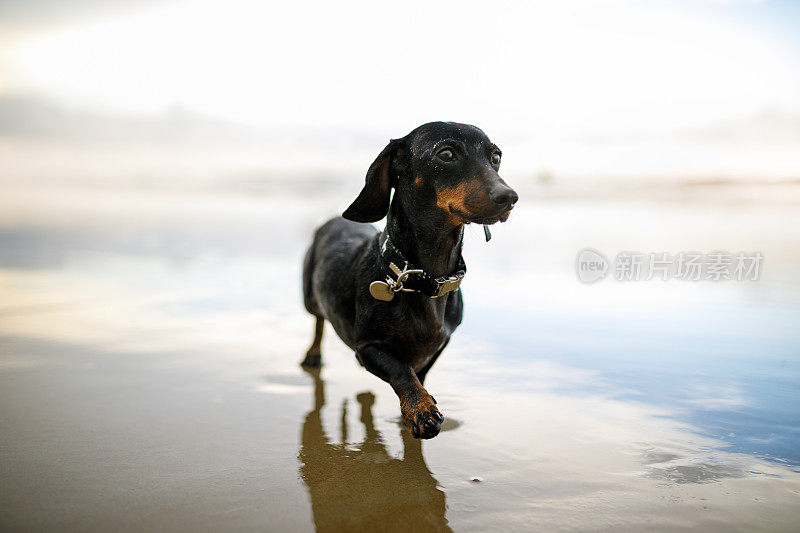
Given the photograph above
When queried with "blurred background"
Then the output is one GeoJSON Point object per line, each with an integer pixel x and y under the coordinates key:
{"type": "Point", "coordinates": [163, 165]}
{"type": "Point", "coordinates": [194, 92]}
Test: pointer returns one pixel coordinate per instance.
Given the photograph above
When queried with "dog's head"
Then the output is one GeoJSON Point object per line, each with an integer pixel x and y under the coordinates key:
{"type": "Point", "coordinates": [443, 171]}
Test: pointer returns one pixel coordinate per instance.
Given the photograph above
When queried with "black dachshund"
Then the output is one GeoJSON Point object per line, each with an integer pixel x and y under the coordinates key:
{"type": "Point", "coordinates": [394, 296]}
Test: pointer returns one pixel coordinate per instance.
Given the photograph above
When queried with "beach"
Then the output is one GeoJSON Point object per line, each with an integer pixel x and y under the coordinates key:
{"type": "Point", "coordinates": [149, 372]}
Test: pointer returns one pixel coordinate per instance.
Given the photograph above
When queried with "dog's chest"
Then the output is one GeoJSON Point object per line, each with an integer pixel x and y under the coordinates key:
{"type": "Point", "coordinates": [425, 329]}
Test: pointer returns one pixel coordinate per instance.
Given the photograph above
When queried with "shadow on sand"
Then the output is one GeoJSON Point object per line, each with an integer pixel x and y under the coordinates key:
{"type": "Point", "coordinates": [361, 487]}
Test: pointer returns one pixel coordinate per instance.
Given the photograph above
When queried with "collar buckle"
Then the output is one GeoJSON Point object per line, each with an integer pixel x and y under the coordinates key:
{"type": "Point", "coordinates": [448, 284]}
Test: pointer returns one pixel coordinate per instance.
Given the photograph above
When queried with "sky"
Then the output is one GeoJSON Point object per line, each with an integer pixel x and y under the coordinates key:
{"type": "Point", "coordinates": [606, 82]}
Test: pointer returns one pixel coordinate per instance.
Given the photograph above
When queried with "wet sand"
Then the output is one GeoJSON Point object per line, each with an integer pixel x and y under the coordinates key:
{"type": "Point", "coordinates": [149, 377]}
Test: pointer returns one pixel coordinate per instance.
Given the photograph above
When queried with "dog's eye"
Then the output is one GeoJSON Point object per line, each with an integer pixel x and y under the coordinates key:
{"type": "Point", "coordinates": [446, 155]}
{"type": "Point", "coordinates": [496, 158]}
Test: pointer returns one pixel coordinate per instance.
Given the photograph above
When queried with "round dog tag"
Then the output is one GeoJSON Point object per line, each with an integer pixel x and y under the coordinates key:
{"type": "Point", "coordinates": [381, 291]}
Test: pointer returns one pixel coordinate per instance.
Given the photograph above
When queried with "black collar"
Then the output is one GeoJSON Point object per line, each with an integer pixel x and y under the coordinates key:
{"type": "Point", "coordinates": [402, 276]}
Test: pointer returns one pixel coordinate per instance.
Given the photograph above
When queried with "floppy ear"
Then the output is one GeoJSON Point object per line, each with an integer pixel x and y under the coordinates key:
{"type": "Point", "coordinates": [372, 203]}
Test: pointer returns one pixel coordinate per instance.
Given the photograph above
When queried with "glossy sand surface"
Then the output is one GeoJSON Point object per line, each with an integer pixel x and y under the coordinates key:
{"type": "Point", "coordinates": [149, 377]}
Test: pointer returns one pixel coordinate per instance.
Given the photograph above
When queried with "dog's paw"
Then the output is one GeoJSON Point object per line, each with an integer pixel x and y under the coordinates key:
{"type": "Point", "coordinates": [313, 359]}
{"type": "Point", "coordinates": [423, 418]}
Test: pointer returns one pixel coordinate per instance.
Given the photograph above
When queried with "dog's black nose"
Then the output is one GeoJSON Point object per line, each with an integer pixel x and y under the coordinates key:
{"type": "Point", "coordinates": [505, 197]}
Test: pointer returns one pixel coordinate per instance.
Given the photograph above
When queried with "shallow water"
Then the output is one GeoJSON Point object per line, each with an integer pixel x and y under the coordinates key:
{"type": "Point", "coordinates": [149, 378]}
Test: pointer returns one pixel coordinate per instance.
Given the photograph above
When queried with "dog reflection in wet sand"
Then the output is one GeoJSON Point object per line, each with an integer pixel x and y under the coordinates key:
{"type": "Point", "coordinates": [362, 487]}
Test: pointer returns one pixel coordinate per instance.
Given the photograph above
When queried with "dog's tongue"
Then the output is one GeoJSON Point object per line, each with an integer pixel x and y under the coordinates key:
{"type": "Point", "coordinates": [487, 233]}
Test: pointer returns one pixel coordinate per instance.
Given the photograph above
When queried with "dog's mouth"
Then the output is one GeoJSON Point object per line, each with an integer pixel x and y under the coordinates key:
{"type": "Point", "coordinates": [482, 219]}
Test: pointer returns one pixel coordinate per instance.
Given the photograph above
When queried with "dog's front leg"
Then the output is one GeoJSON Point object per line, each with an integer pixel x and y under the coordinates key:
{"type": "Point", "coordinates": [418, 407]}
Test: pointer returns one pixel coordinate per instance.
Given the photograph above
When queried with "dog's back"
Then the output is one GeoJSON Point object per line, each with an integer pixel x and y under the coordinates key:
{"type": "Point", "coordinates": [329, 266]}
